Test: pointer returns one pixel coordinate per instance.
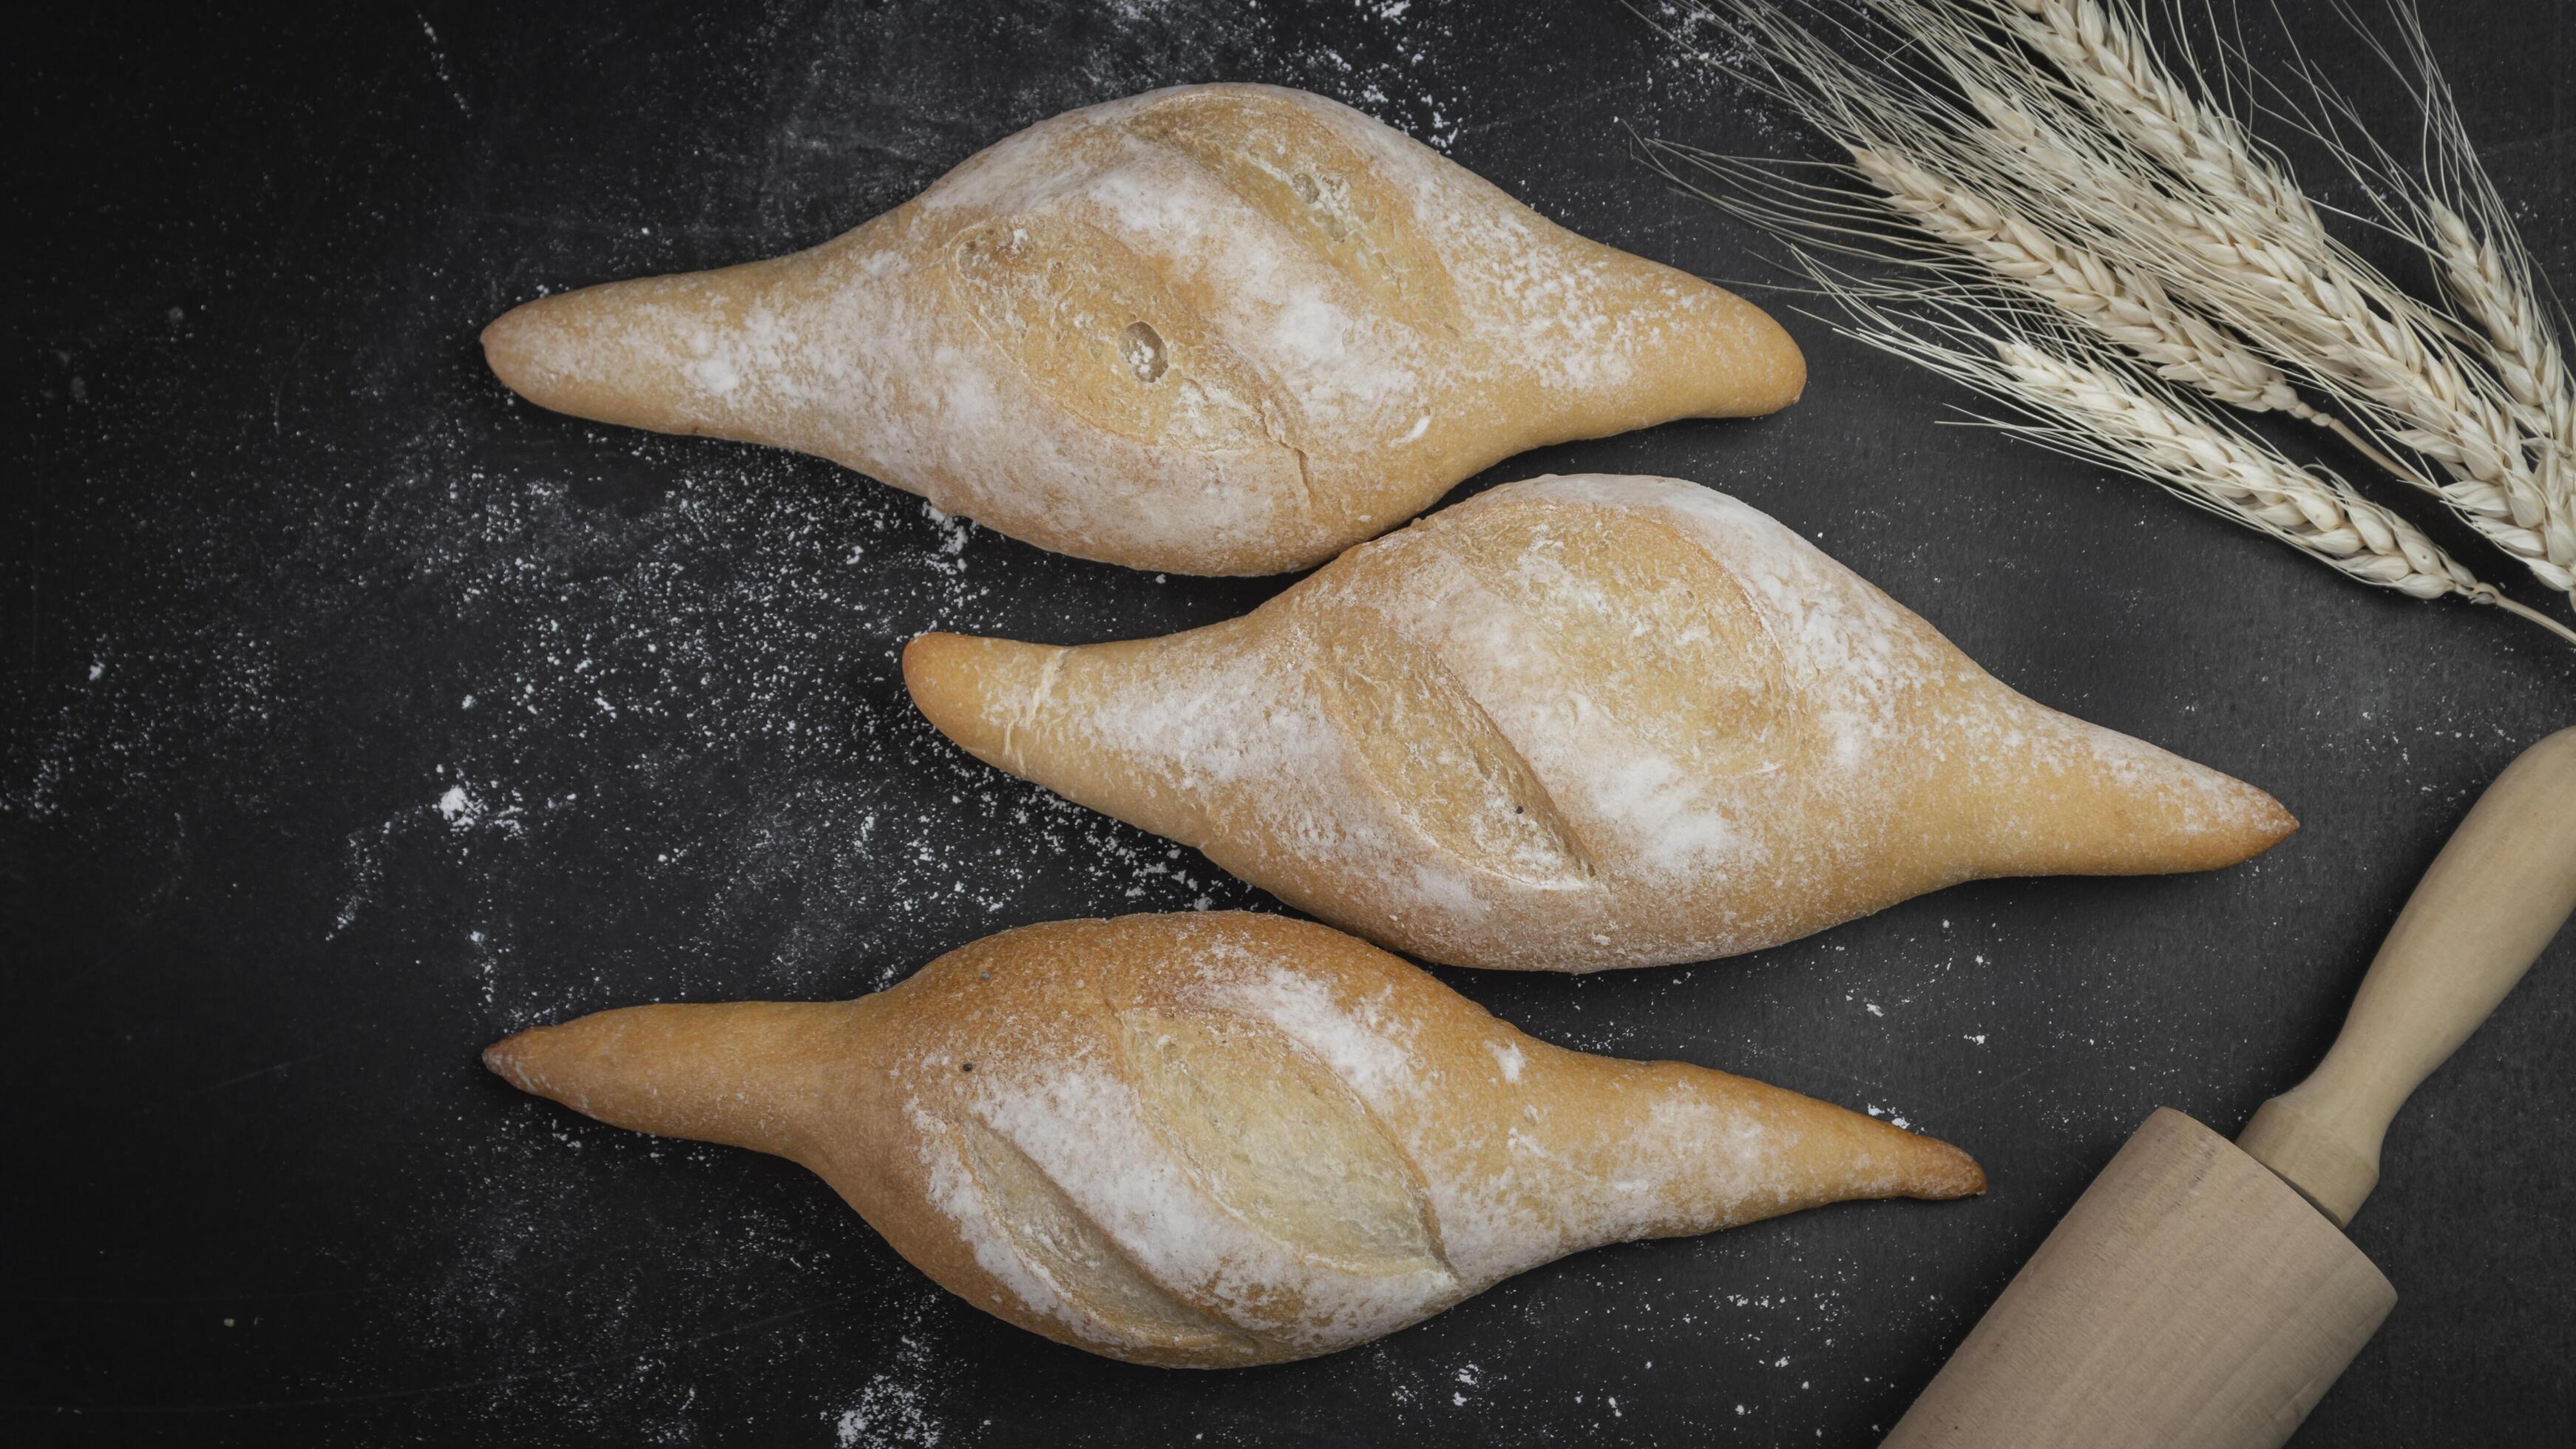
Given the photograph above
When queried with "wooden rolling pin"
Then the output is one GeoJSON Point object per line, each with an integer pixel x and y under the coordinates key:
{"type": "Point", "coordinates": [2202, 1295]}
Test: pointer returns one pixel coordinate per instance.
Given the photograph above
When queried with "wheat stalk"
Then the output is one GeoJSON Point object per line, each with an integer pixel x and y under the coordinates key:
{"type": "Point", "coordinates": [2481, 263]}
{"type": "Point", "coordinates": [2417, 390]}
{"type": "Point", "coordinates": [2268, 266]}
{"type": "Point", "coordinates": [2124, 305]}
{"type": "Point", "coordinates": [2497, 292]}
{"type": "Point", "coordinates": [2499, 296]}
{"type": "Point", "coordinates": [2083, 399]}
{"type": "Point", "coordinates": [2180, 448]}
{"type": "Point", "coordinates": [2136, 98]}
{"type": "Point", "coordinates": [2043, 145]}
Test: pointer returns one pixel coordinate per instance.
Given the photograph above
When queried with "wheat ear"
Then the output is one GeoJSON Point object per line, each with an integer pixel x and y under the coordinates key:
{"type": "Point", "coordinates": [2222, 469]}
{"type": "Point", "coordinates": [2137, 98]}
{"type": "Point", "coordinates": [2114, 162]}
{"type": "Point", "coordinates": [2498, 295]}
{"type": "Point", "coordinates": [2083, 400]}
{"type": "Point", "coordinates": [2418, 389]}
{"type": "Point", "coordinates": [1912, 176]}
{"type": "Point", "coordinates": [2496, 292]}
{"type": "Point", "coordinates": [2123, 304]}
{"type": "Point", "coordinates": [2447, 207]}
{"type": "Point", "coordinates": [2251, 251]}
{"type": "Point", "coordinates": [2489, 276]}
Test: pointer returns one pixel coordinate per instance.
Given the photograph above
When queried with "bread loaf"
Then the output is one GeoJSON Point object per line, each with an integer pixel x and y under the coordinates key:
{"type": "Point", "coordinates": [1223, 329]}
{"type": "Point", "coordinates": [1223, 1139]}
{"type": "Point", "coordinates": [1584, 722]}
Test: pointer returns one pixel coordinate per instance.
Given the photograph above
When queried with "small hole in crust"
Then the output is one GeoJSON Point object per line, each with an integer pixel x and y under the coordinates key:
{"type": "Point", "coordinates": [1321, 199]}
{"type": "Point", "coordinates": [1142, 346]}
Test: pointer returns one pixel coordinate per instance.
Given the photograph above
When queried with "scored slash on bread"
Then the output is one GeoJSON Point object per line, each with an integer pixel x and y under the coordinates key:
{"type": "Point", "coordinates": [1584, 722]}
{"type": "Point", "coordinates": [1224, 329]}
{"type": "Point", "coordinates": [1217, 1139]}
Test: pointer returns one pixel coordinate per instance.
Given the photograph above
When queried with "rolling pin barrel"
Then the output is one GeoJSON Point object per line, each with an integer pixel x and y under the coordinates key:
{"type": "Point", "coordinates": [2195, 1296]}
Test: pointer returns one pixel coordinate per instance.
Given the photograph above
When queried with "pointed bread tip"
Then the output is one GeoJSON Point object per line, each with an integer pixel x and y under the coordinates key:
{"type": "Point", "coordinates": [1728, 357]}
{"type": "Point", "coordinates": [978, 691]}
{"type": "Point", "coordinates": [2267, 822]}
{"type": "Point", "coordinates": [1763, 368]}
{"type": "Point", "coordinates": [1898, 1161]}
{"type": "Point", "coordinates": [530, 1060]}
{"type": "Point", "coordinates": [2218, 821]}
{"type": "Point", "coordinates": [504, 341]}
{"type": "Point", "coordinates": [535, 349]}
{"type": "Point", "coordinates": [648, 352]}
{"type": "Point", "coordinates": [502, 1060]}
{"type": "Point", "coordinates": [738, 1072]}
{"type": "Point", "coordinates": [2086, 800]}
{"type": "Point", "coordinates": [1942, 1171]}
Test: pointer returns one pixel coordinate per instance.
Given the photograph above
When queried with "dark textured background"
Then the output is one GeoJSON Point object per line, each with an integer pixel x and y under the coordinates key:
{"type": "Point", "coordinates": [356, 715]}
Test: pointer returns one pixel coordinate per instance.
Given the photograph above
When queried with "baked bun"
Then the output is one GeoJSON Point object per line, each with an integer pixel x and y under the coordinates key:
{"type": "Point", "coordinates": [1222, 329]}
{"type": "Point", "coordinates": [1215, 1140]}
{"type": "Point", "coordinates": [1584, 722]}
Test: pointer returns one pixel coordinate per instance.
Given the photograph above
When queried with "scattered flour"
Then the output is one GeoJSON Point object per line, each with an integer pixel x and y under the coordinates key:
{"type": "Point", "coordinates": [644, 748]}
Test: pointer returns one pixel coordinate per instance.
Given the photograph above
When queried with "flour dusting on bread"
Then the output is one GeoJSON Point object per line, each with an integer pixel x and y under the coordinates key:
{"type": "Point", "coordinates": [1219, 1139]}
{"type": "Point", "coordinates": [1217, 329]}
{"type": "Point", "coordinates": [1586, 722]}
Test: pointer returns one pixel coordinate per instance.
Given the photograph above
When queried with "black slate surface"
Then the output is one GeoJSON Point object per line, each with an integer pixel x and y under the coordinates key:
{"type": "Point", "coordinates": [357, 715]}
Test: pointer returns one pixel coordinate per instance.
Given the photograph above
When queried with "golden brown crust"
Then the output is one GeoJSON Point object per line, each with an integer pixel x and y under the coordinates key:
{"type": "Point", "coordinates": [1577, 723]}
{"type": "Point", "coordinates": [1218, 329]}
{"type": "Point", "coordinates": [1219, 1139]}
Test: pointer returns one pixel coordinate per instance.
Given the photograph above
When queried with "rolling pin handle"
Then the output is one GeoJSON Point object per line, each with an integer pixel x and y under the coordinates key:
{"type": "Point", "coordinates": [2485, 911]}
